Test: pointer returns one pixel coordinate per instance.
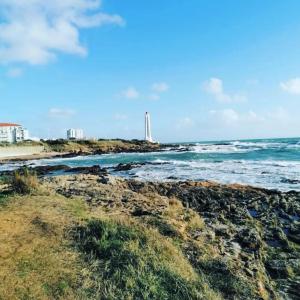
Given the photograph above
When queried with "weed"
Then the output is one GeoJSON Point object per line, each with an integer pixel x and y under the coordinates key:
{"type": "Point", "coordinates": [24, 182]}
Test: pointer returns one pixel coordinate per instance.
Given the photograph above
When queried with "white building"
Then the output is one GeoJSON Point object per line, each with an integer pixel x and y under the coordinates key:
{"type": "Point", "coordinates": [74, 134]}
{"type": "Point", "coordinates": [148, 136]}
{"type": "Point", "coordinates": [12, 133]}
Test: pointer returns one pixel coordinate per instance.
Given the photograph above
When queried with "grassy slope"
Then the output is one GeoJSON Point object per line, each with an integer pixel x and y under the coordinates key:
{"type": "Point", "coordinates": [36, 261]}
{"type": "Point", "coordinates": [129, 261]}
{"type": "Point", "coordinates": [52, 247]}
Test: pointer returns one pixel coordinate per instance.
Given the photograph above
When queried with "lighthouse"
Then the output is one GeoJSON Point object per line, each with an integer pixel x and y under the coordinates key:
{"type": "Point", "coordinates": [148, 136]}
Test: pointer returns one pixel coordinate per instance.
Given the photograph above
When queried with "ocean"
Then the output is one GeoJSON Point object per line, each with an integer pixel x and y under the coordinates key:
{"type": "Point", "coordinates": [268, 163]}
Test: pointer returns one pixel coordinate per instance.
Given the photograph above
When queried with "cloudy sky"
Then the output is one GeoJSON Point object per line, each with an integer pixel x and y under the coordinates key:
{"type": "Point", "coordinates": [205, 69]}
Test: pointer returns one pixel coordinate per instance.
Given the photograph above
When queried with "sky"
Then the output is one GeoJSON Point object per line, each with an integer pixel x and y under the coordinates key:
{"type": "Point", "coordinates": [204, 69]}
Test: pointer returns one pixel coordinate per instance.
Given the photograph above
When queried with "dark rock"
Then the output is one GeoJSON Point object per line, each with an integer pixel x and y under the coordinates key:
{"type": "Point", "coordinates": [290, 181]}
{"type": "Point", "coordinates": [93, 170]}
{"type": "Point", "coordinates": [126, 167]}
{"type": "Point", "coordinates": [139, 212]}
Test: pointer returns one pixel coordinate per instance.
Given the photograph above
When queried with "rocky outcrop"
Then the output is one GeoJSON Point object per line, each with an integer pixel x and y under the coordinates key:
{"type": "Point", "coordinates": [261, 227]}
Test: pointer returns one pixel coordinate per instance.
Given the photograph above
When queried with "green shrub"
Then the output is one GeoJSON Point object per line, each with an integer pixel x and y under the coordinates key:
{"type": "Point", "coordinates": [24, 182]}
{"type": "Point", "coordinates": [130, 262]}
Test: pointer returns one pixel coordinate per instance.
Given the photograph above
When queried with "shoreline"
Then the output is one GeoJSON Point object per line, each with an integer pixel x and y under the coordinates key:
{"type": "Point", "coordinates": [246, 237]}
{"type": "Point", "coordinates": [68, 149]}
{"type": "Point", "coordinates": [129, 163]}
{"type": "Point", "coordinates": [61, 170]}
{"type": "Point", "coordinates": [38, 156]}
{"type": "Point", "coordinates": [239, 220]}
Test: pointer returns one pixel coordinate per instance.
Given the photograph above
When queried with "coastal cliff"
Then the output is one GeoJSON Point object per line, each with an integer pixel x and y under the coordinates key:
{"type": "Point", "coordinates": [127, 239]}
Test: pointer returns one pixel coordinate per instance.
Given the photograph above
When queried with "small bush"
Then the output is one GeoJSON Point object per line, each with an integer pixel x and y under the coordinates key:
{"type": "Point", "coordinates": [24, 182]}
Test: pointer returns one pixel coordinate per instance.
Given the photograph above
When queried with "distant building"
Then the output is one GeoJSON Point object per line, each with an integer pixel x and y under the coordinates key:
{"type": "Point", "coordinates": [75, 134]}
{"type": "Point", "coordinates": [12, 133]}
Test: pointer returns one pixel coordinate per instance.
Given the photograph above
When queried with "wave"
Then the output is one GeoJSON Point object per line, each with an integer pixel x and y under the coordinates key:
{"type": "Point", "coordinates": [283, 175]}
{"type": "Point", "coordinates": [269, 164]}
{"type": "Point", "coordinates": [243, 146]}
{"type": "Point", "coordinates": [222, 148]}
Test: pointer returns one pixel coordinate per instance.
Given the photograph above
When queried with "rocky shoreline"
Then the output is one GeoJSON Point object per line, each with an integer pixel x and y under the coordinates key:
{"type": "Point", "coordinates": [66, 149]}
{"type": "Point", "coordinates": [255, 232]}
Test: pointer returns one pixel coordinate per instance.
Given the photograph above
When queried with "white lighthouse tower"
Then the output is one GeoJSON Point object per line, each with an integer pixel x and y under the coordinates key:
{"type": "Point", "coordinates": [148, 136]}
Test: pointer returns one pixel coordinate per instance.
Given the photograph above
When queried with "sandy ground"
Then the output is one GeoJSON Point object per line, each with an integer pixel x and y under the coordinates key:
{"type": "Point", "coordinates": [4, 160]}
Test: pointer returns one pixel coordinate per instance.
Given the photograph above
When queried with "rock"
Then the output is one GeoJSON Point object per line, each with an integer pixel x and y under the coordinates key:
{"type": "Point", "coordinates": [290, 181]}
{"type": "Point", "coordinates": [222, 230]}
{"type": "Point", "coordinates": [94, 170]}
{"type": "Point", "coordinates": [126, 167]}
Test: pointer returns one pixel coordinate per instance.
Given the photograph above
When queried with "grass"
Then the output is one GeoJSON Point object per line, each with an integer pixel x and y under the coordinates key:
{"type": "Point", "coordinates": [3, 198]}
{"type": "Point", "coordinates": [21, 144]}
{"type": "Point", "coordinates": [130, 261]}
{"type": "Point", "coordinates": [223, 279]}
{"type": "Point", "coordinates": [36, 259]}
{"type": "Point", "coordinates": [4, 191]}
{"type": "Point", "coordinates": [112, 259]}
{"type": "Point", "coordinates": [92, 145]}
{"type": "Point", "coordinates": [52, 247]}
{"type": "Point", "coordinates": [24, 182]}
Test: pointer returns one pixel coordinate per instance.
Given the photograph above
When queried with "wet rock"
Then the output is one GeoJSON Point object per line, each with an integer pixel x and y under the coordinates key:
{"type": "Point", "coordinates": [127, 167]}
{"type": "Point", "coordinates": [93, 170]}
{"type": "Point", "coordinates": [290, 181]}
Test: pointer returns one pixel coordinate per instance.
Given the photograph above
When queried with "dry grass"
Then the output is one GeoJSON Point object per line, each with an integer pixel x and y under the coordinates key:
{"type": "Point", "coordinates": [91, 145]}
{"type": "Point", "coordinates": [24, 182]}
{"type": "Point", "coordinates": [131, 261]}
{"type": "Point", "coordinates": [35, 259]}
{"type": "Point", "coordinates": [185, 220]}
{"type": "Point", "coordinates": [121, 256]}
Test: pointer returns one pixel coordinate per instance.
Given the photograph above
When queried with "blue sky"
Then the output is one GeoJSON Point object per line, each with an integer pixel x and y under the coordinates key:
{"type": "Point", "coordinates": [205, 69]}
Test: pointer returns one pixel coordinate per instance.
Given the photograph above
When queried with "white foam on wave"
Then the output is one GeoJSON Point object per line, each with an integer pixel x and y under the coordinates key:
{"type": "Point", "coordinates": [267, 174]}
{"type": "Point", "coordinates": [170, 165]}
{"type": "Point", "coordinates": [241, 146]}
{"type": "Point", "coordinates": [215, 148]}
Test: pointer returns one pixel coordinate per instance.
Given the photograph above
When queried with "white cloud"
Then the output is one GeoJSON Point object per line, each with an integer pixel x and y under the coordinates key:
{"type": "Point", "coordinates": [160, 87]}
{"type": "Point", "coordinates": [35, 31]}
{"type": "Point", "coordinates": [130, 93]}
{"type": "Point", "coordinates": [291, 86]}
{"type": "Point", "coordinates": [14, 72]}
{"type": "Point", "coordinates": [214, 86]}
{"type": "Point", "coordinates": [231, 116]}
{"type": "Point", "coordinates": [61, 113]}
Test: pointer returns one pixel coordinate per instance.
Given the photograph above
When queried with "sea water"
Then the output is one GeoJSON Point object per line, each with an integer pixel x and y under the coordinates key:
{"type": "Point", "coordinates": [270, 163]}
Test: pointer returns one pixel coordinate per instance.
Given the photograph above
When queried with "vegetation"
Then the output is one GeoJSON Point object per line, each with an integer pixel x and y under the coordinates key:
{"type": "Point", "coordinates": [36, 261]}
{"type": "Point", "coordinates": [24, 182]}
{"type": "Point", "coordinates": [132, 262]}
{"type": "Point", "coordinates": [99, 146]}
{"type": "Point", "coordinates": [53, 247]}
{"type": "Point", "coordinates": [21, 144]}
